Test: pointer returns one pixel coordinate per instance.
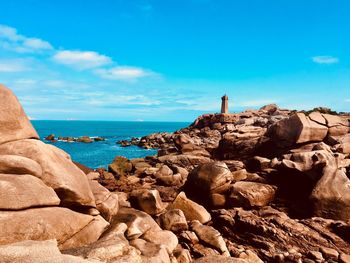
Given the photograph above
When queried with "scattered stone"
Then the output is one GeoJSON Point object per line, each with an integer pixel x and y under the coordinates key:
{"type": "Point", "coordinates": [148, 201]}
{"type": "Point", "coordinates": [162, 237]}
{"type": "Point", "coordinates": [250, 194]}
{"type": "Point", "coordinates": [50, 137]}
{"type": "Point", "coordinates": [192, 210]}
{"type": "Point", "coordinates": [329, 253]}
{"type": "Point", "coordinates": [210, 236]}
{"type": "Point", "coordinates": [174, 220]}
{"type": "Point", "coordinates": [150, 252]}
{"type": "Point", "coordinates": [120, 166]}
{"type": "Point", "coordinates": [138, 222]}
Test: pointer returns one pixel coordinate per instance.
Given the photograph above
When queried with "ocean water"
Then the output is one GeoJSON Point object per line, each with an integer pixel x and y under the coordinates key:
{"type": "Point", "coordinates": [100, 154]}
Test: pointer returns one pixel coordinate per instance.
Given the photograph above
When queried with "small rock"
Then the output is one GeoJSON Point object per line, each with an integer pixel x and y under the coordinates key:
{"type": "Point", "coordinates": [210, 236]}
{"type": "Point", "coordinates": [329, 253]}
{"type": "Point", "coordinates": [174, 220]}
{"type": "Point", "coordinates": [315, 255]}
{"type": "Point", "coordinates": [249, 194]}
{"type": "Point", "coordinates": [148, 201]}
{"type": "Point", "coordinates": [192, 210]}
{"type": "Point", "coordinates": [162, 237]}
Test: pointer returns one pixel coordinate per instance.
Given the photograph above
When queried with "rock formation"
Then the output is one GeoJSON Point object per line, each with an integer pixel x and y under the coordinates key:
{"type": "Point", "coordinates": [267, 185]}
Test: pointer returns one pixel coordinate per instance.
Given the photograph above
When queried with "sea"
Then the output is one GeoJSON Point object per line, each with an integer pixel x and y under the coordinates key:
{"type": "Point", "coordinates": [100, 154]}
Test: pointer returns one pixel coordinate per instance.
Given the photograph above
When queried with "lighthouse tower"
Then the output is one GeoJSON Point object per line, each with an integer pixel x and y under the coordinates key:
{"type": "Point", "coordinates": [224, 104]}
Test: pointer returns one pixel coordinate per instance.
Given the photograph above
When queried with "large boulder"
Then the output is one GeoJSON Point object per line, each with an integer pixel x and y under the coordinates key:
{"type": "Point", "coordinates": [174, 220]}
{"type": "Point", "coordinates": [331, 195]}
{"type": "Point", "coordinates": [338, 125]}
{"type": "Point", "coordinates": [192, 210]}
{"type": "Point", "coordinates": [70, 229]}
{"type": "Point", "coordinates": [147, 200]}
{"type": "Point", "coordinates": [14, 164]}
{"type": "Point", "coordinates": [208, 178]}
{"type": "Point", "coordinates": [59, 172]}
{"type": "Point", "coordinates": [120, 166]}
{"type": "Point", "coordinates": [183, 160]}
{"type": "Point", "coordinates": [138, 222]}
{"type": "Point", "coordinates": [23, 191]}
{"type": "Point", "coordinates": [111, 247]}
{"type": "Point", "coordinates": [251, 194]}
{"type": "Point", "coordinates": [297, 129]}
{"type": "Point", "coordinates": [14, 123]}
{"type": "Point", "coordinates": [240, 143]}
{"type": "Point", "coordinates": [162, 237]}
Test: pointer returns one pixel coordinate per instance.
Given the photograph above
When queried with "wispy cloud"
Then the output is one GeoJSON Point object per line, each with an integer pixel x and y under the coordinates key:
{"type": "Point", "coordinates": [11, 40]}
{"type": "Point", "coordinates": [124, 73]}
{"type": "Point", "coordinates": [81, 59]}
{"type": "Point", "coordinates": [12, 65]}
{"type": "Point", "coordinates": [347, 100]}
{"type": "Point", "coordinates": [325, 59]}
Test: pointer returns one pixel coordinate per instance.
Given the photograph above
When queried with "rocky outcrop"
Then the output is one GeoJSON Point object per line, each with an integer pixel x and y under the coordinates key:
{"type": "Point", "coordinates": [14, 123]}
{"type": "Point", "coordinates": [267, 185]}
{"type": "Point", "coordinates": [44, 195]}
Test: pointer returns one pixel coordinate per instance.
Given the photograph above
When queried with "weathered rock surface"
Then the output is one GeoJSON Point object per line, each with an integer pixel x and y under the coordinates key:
{"type": "Point", "coordinates": [148, 201]}
{"type": "Point", "coordinates": [37, 252]}
{"type": "Point", "coordinates": [14, 164]}
{"type": "Point", "coordinates": [70, 183]}
{"type": "Point", "coordinates": [71, 229]}
{"type": "Point", "coordinates": [250, 194]}
{"type": "Point", "coordinates": [174, 220]}
{"type": "Point", "coordinates": [192, 210]}
{"type": "Point", "coordinates": [14, 123]}
{"type": "Point", "coordinates": [138, 222]}
{"type": "Point", "coordinates": [24, 191]}
{"type": "Point", "coordinates": [106, 202]}
{"type": "Point", "coordinates": [298, 129]}
{"type": "Point", "coordinates": [296, 162]}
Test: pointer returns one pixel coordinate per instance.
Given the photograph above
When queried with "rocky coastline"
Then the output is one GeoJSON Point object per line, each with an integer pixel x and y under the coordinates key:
{"type": "Point", "coordinates": [84, 139]}
{"type": "Point", "coordinates": [267, 185]}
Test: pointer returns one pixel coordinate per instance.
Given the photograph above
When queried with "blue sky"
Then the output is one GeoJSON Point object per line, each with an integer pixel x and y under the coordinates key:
{"type": "Point", "coordinates": [170, 60]}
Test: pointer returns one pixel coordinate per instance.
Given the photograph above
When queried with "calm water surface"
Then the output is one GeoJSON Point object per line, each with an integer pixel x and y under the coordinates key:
{"type": "Point", "coordinates": [100, 154]}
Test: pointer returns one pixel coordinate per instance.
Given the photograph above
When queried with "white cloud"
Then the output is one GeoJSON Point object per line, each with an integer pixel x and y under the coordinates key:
{"type": "Point", "coordinates": [9, 33]}
{"type": "Point", "coordinates": [325, 59]}
{"type": "Point", "coordinates": [36, 43]}
{"type": "Point", "coordinates": [81, 59]}
{"type": "Point", "coordinates": [11, 40]}
{"type": "Point", "coordinates": [123, 73]}
{"type": "Point", "coordinates": [12, 66]}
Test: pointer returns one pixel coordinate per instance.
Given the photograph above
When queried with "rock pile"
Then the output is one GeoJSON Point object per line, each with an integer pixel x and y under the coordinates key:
{"type": "Point", "coordinates": [267, 185]}
{"type": "Point", "coordinates": [84, 139]}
